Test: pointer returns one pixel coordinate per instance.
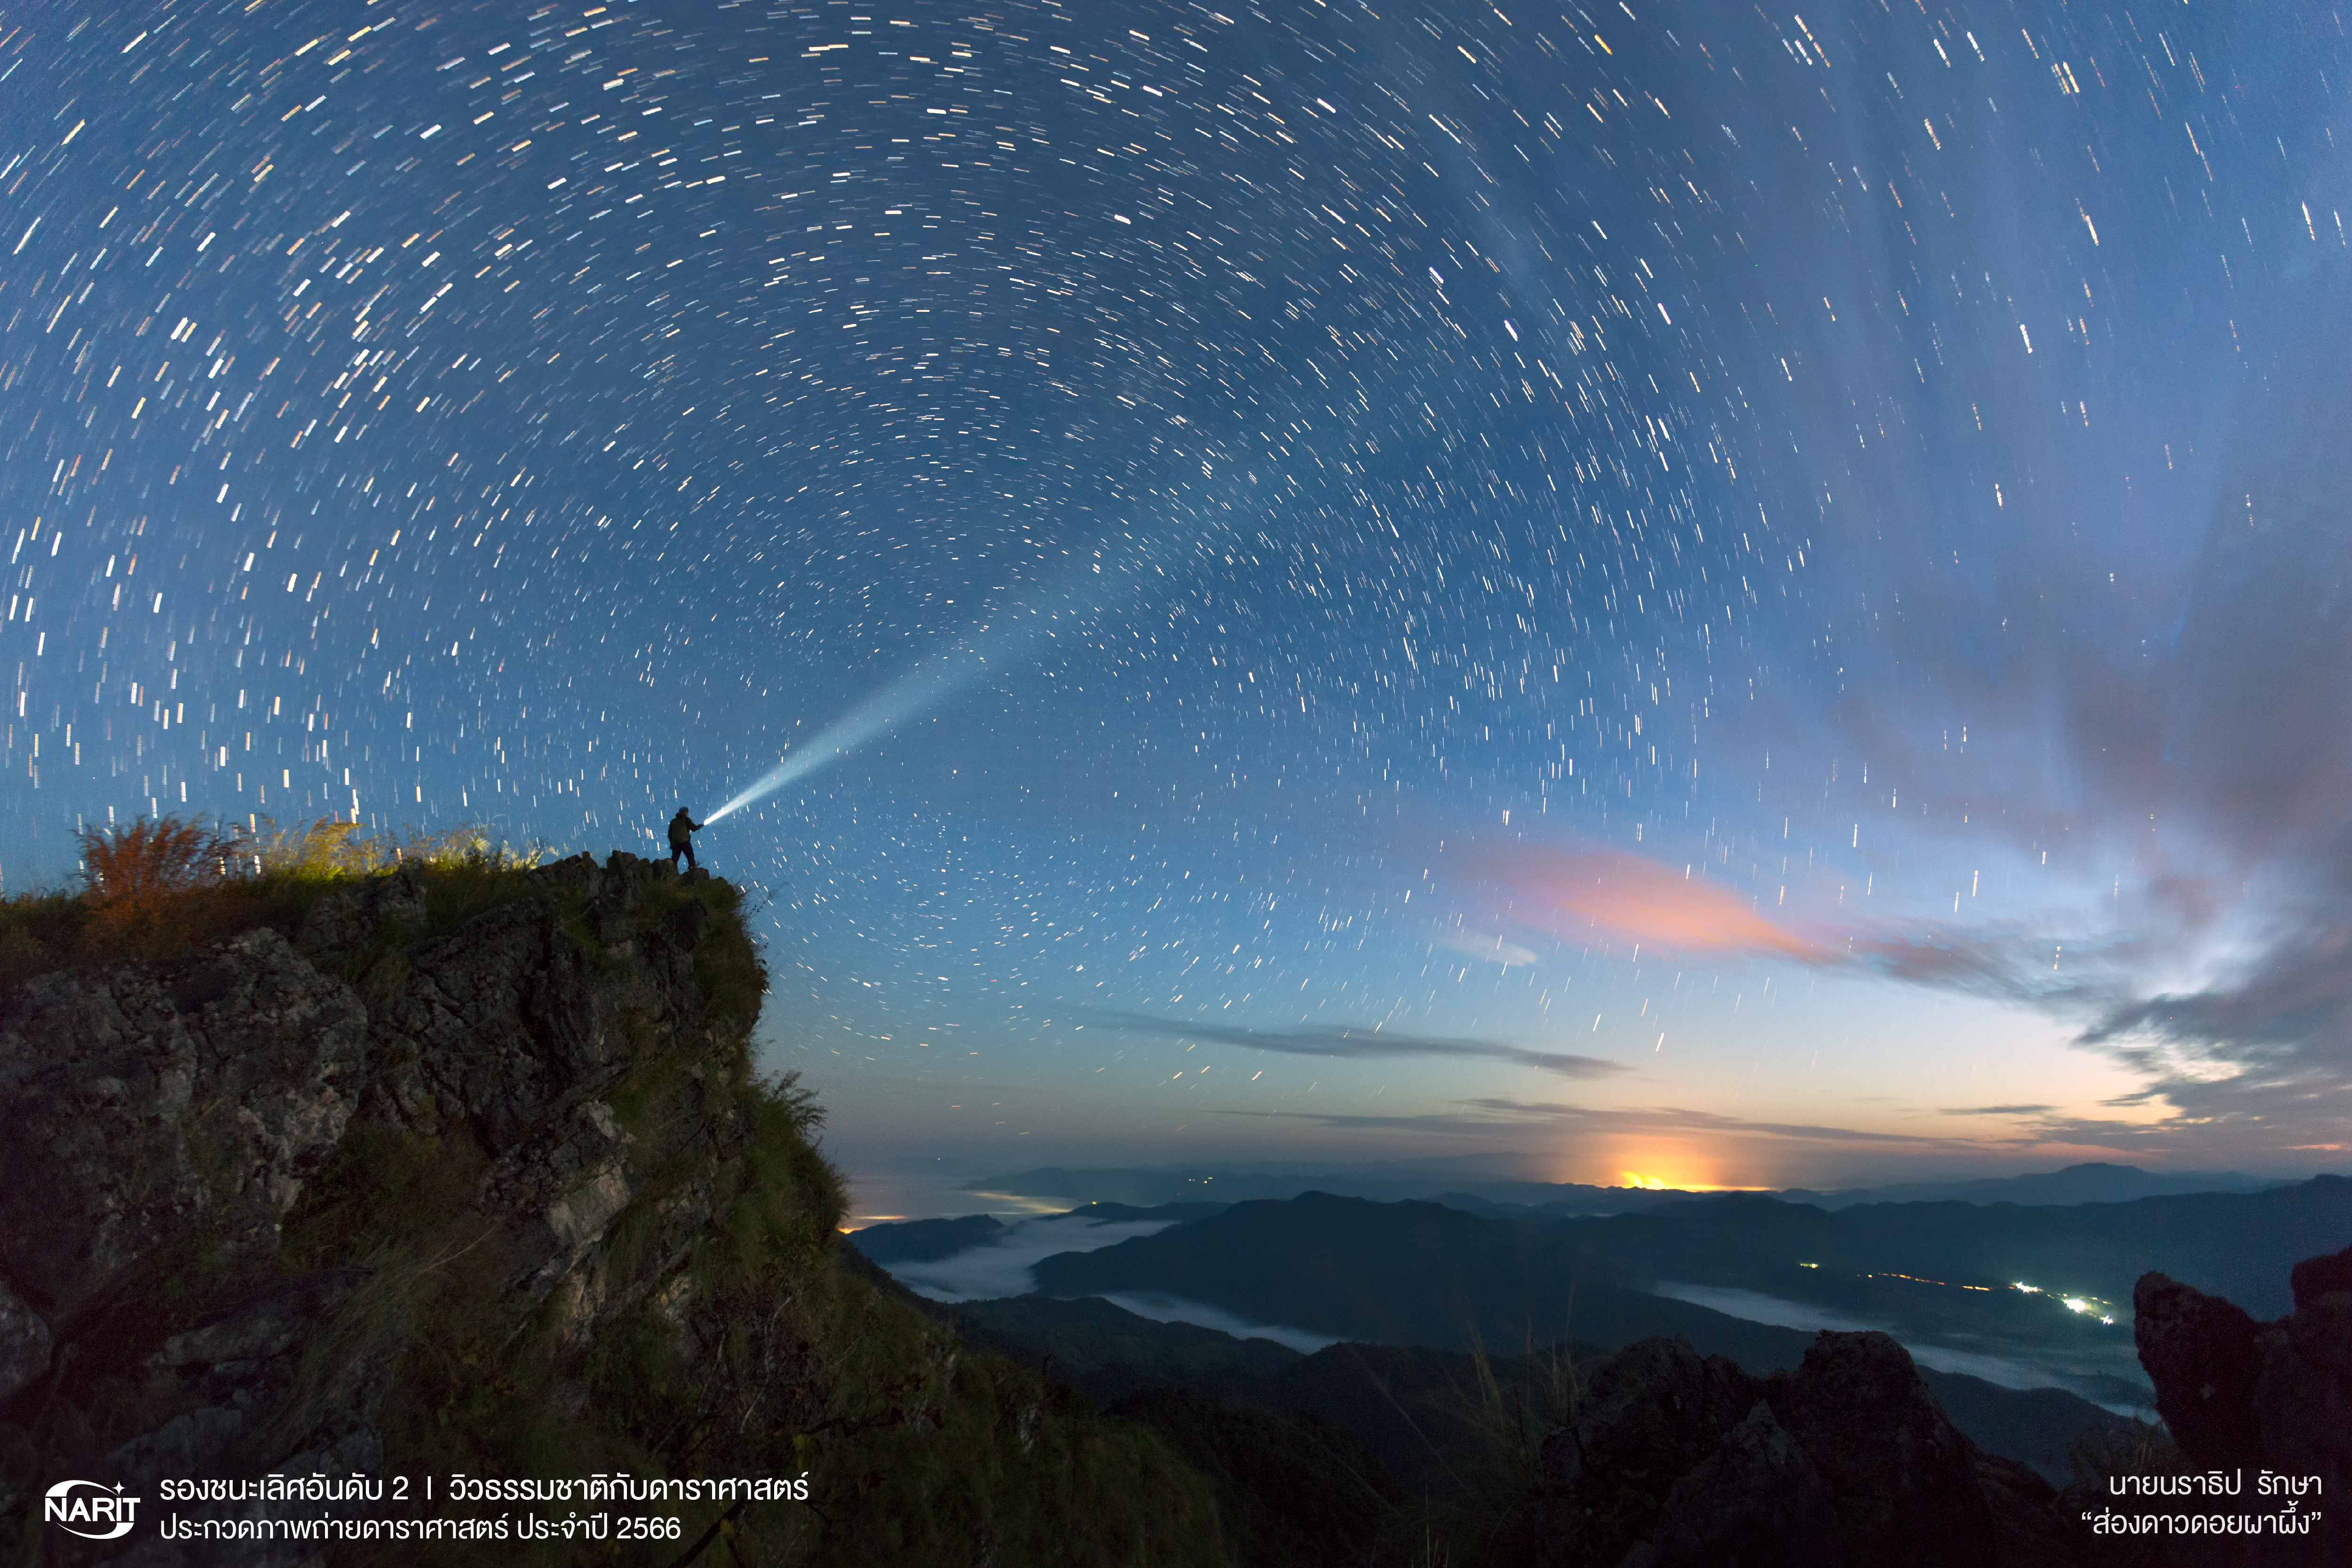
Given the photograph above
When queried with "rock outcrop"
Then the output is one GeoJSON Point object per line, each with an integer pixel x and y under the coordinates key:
{"type": "Point", "coordinates": [154, 1105]}
{"type": "Point", "coordinates": [1673, 1460]}
{"type": "Point", "coordinates": [171, 1116]}
{"type": "Point", "coordinates": [1676, 1460]}
{"type": "Point", "coordinates": [467, 1169]}
{"type": "Point", "coordinates": [2248, 1400]}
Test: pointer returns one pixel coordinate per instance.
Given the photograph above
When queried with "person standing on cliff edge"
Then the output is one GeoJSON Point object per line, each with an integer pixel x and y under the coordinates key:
{"type": "Point", "coordinates": [682, 829]}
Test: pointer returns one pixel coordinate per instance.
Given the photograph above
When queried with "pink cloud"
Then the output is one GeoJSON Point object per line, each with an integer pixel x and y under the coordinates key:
{"type": "Point", "coordinates": [1609, 895]}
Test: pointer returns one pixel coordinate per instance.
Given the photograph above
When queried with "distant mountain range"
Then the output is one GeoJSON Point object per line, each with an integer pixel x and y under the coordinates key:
{"type": "Point", "coordinates": [1413, 1408]}
{"type": "Point", "coordinates": [1422, 1273]}
{"type": "Point", "coordinates": [2086, 1183]}
{"type": "Point", "coordinates": [1478, 1185]}
{"type": "Point", "coordinates": [1439, 1313]}
{"type": "Point", "coordinates": [1429, 1274]}
{"type": "Point", "coordinates": [2022, 1295]}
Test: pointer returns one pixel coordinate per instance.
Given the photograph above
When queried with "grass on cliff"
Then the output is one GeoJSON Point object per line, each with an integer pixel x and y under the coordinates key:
{"type": "Point", "coordinates": [167, 886]}
{"type": "Point", "coordinates": [742, 1348]}
{"type": "Point", "coordinates": [738, 1346]}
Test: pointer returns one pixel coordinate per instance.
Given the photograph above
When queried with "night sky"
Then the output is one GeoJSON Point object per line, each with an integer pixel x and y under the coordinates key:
{"type": "Point", "coordinates": [1680, 591]}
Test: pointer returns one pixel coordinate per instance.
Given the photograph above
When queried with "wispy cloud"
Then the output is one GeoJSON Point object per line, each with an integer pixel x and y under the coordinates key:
{"type": "Point", "coordinates": [1489, 1116]}
{"type": "Point", "coordinates": [2003, 962]}
{"type": "Point", "coordinates": [1679, 1119]}
{"type": "Point", "coordinates": [1480, 944]}
{"type": "Point", "coordinates": [1339, 1040]}
{"type": "Point", "coordinates": [1608, 895]}
{"type": "Point", "coordinates": [2267, 1044]}
{"type": "Point", "coordinates": [1996, 1109]}
{"type": "Point", "coordinates": [1615, 896]}
{"type": "Point", "coordinates": [2164, 725]}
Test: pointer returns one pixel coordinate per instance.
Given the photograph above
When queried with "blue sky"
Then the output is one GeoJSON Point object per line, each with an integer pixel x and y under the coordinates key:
{"type": "Point", "coordinates": [1742, 599]}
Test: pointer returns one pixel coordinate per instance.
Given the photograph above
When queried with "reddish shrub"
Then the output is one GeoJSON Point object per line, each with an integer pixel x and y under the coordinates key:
{"type": "Point", "coordinates": [147, 858]}
{"type": "Point", "coordinates": [138, 875]}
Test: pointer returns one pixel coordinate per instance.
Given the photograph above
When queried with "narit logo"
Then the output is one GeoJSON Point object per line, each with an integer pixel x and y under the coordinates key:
{"type": "Point", "coordinates": [89, 1508]}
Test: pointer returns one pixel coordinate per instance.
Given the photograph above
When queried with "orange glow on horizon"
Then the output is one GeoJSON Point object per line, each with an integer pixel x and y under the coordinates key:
{"type": "Point", "coordinates": [1655, 1161]}
{"type": "Point", "coordinates": [1676, 1184]}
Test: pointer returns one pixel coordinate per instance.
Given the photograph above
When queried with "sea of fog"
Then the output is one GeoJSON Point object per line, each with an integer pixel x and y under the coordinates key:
{"type": "Point", "coordinates": [1005, 1267]}
{"type": "Point", "coordinates": [2011, 1370]}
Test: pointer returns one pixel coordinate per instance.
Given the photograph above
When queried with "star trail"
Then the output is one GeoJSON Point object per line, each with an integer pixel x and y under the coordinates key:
{"type": "Point", "coordinates": [1787, 558]}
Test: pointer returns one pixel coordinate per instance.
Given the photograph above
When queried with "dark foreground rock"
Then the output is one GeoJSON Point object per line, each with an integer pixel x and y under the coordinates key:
{"type": "Point", "coordinates": [2264, 1408]}
{"type": "Point", "coordinates": [156, 1101]}
{"type": "Point", "coordinates": [466, 1170]}
{"type": "Point", "coordinates": [177, 1110]}
{"type": "Point", "coordinates": [1676, 1460]}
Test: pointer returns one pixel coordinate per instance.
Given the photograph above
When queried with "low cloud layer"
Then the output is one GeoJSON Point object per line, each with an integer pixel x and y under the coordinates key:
{"type": "Point", "coordinates": [1491, 1115]}
{"type": "Point", "coordinates": [1001, 1266]}
{"type": "Point", "coordinates": [1359, 1044]}
{"type": "Point", "coordinates": [1164, 1309]}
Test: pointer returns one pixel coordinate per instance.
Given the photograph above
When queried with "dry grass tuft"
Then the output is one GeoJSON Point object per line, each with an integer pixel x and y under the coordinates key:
{"type": "Point", "coordinates": [149, 860]}
{"type": "Point", "coordinates": [161, 888]}
{"type": "Point", "coordinates": [140, 879]}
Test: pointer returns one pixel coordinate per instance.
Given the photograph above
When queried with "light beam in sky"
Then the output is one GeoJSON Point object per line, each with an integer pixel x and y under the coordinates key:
{"type": "Point", "coordinates": [937, 678]}
{"type": "Point", "coordinates": [994, 645]}
{"type": "Point", "coordinates": [1769, 536]}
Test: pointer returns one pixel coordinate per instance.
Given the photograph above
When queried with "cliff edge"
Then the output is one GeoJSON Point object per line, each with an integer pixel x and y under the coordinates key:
{"type": "Point", "coordinates": [2262, 1412]}
{"type": "Point", "coordinates": [464, 1170]}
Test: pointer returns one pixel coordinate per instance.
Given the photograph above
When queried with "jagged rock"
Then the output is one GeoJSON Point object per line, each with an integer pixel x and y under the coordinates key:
{"type": "Point", "coordinates": [25, 1342]}
{"type": "Point", "coordinates": [2032, 1524]}
{"type": "Point", "coordinates": [1901, 1477]}
{"type": "Point", "coordinates": [2260, 1398]}
{"type": "Point", "coordinates": [233, 1372]}
{"type": "Point", "coordinates": [165, 1102]}
{"type": "Point", "coordinates": [493, 1024]}
{"type": "Point", "coordinates": [348, 920]}
{"type": "Point", "coordinates": [570, 1186]}
{"type": "Point", "coordinates": [560, 1222]}
{"type": "Point", "coordinates": [1756, 1501]}
{"type": "Point", "coordinates": [177, 1110]}
{"type": "Point", "coordinates": [2201, 1353]}
{"type": "Point", "coordinates": [1674, 1462]}
{"type": "Point", "coordinates": [1650, 1414]}
{"type": "Point", "coordinates": [2320, 1328]}
{"type": "Point", "coordinates": [264, 1325]}
{"type": "Point", "coordinates": [687, 923]}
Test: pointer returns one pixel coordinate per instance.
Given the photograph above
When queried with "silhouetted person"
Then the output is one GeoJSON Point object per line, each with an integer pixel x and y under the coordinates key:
{"type": "Point", "coordinates": [682, 829]}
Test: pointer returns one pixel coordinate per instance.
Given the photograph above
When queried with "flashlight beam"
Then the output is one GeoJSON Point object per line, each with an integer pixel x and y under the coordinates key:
{"type": "Point", "coordinates": [934, 681]}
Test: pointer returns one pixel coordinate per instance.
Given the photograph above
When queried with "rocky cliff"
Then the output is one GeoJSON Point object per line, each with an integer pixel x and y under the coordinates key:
{"type": "Point", "coordinates": [465, 1170]}
{"type": "Point", "coordinates": [1676, 1460]}
{"type": "Point", "coordinates": [2265, 1407]}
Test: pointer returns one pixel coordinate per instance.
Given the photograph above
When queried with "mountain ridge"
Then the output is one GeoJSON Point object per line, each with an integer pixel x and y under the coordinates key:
{"type": "Point", "coordinates": [1457, 1181]}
